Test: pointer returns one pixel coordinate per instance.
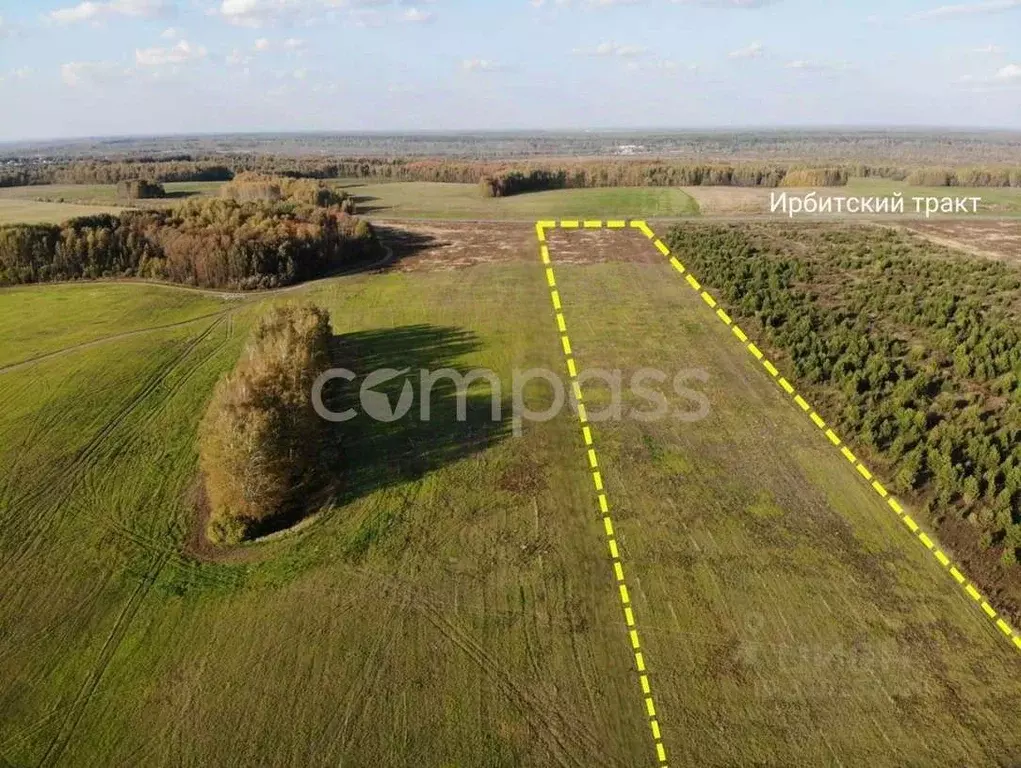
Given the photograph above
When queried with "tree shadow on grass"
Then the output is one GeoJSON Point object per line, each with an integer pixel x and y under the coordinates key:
{"type": "Point", "coordinates": [363, 454]}
{"type": "Point", "coordinates": [405, 243]}
{"type": "Point", "coordinates": [362, 203]}
{"type": "Point", "coordinates": [180, 194]}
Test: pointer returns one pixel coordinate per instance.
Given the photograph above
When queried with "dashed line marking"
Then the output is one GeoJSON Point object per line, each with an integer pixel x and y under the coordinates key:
{"type": "Point", "coordinates": [923, 538]}
{"type": "Point", "coordinates": [592, 459]}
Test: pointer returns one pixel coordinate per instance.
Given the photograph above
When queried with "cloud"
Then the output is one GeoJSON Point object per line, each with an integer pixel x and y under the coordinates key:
{"type": "Point", "coordinates": [752, 51]}
{"type": "Point", "coordinates": [992, 50]}
{"type": "Point", "coordinates": [92, 11]}
{"type": "Point", "coordinates": [417, 16]}
{"type": "Point", "coordinates": [728, 3]}
{"type": "Point", "coordinates": [612, 49]}
{"type": "Point", "coordinates": [259, 13]}
{"type": "Point", "coordinates": [816, 67]}
{"type": "Point", "coordinates": [966, 9]}
{"type": "Point", "coordinates": [1009, 73]}
{"type": "Point", "coordinates": [291, 45]}
{"type": "Point", "coordinates": [90, 73]}
{"type": "Point", "coordinates": [170, 33]}
{"type": "Point", "coordinates": [181, 53]}
{"type": "Point", "coordinates": [1008, 77]}
{"type": "Point", "coordinates": [256, 14]}
{"type": "Point", "coordinates": [661, 66]}
{"type": "Point", "coordinates": [480, 65]}
{"type": "Point", "coordinates": [583, 3]}
{"type": "Point", "coordinates": [21, 73]}
{"type": "Point", "coordinates": [237, 58]}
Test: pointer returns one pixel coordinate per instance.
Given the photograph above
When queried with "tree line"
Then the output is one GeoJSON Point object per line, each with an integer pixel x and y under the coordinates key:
{"type": "Point", "coordinates": [501, 177]}
{"type": "Point", "coordinates": [913, 350]}
{"type": "Point", "coordinates": [214, 243]}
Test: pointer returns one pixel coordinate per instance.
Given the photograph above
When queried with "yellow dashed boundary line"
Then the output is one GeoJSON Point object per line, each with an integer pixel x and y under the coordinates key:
{"type": "Point", "coordinates": [928, 542]}
{"type": "Point", "coordinates": [592, 460]}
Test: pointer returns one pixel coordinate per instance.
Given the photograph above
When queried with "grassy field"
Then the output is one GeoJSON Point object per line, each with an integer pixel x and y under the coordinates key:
{"type": "Point", "coordinates": [422, 200]}
{"type": "Point", "coordinates": [754, 201]}
{"type": "Point", "coordinates": [55, 203]}
{"type": "Point", "coordinates": [428, 200]}
{"type": "Point", "coordinates": [13, 211]}
{"type": "Point", "coordinates": [455, 606]}
{"type": "Point", "coordinates": [36, 321]}
{"type": "Point", "coordinates": [416, 199]}
{"type": "Point", "coordinates": [98, 194]}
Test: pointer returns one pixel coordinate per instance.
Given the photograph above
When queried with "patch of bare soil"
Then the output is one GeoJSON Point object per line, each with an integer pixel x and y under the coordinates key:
{"type": "Point", "coordinates": [596, 246]}
{"type": "Point", "coordinates": [420, 245]}
{"type": "Point", "coordinates": [1001, 583]}
{"type": "Point", "coordinates": [986, 238]}
{"type": "Point", "coordinates": [432, 245]}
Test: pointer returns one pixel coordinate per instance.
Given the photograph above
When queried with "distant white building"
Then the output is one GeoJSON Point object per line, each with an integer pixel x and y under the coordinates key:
{"type": "Point", "coordinates": [630, 149]}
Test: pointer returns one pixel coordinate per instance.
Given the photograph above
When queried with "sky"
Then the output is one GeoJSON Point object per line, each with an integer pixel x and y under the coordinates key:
{"type": "Point", "coordinates": [130, 67]}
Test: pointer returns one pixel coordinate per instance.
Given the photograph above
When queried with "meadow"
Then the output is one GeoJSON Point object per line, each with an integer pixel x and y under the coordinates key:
{"type": "Point", "coordinates": [454, 605]}
{"type": "Point", "coordinates": [416, 200]}
{"type": "Point", "coordinates": [450, 201]}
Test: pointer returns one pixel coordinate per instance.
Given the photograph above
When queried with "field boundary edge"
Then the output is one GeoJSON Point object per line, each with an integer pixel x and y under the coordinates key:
{"type": "Point", "coordinates": [597, 480]}
{"type": "Point", "coordinates": [925, 539]}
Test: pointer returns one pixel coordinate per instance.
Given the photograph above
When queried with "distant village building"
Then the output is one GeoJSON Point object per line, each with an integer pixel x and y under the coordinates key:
{"type": "Point", "coordinates": [630, 149]}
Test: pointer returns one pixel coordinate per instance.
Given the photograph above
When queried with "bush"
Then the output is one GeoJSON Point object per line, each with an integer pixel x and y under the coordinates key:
{"type": "Point", "coordinates": [250, 186]}
{"type": "Point", "coordinates": [139, 189]}
{"type": "Point", "coordinates": [260, 437]}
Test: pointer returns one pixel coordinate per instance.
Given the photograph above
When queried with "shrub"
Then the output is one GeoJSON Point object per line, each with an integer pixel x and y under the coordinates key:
{"type": "Point", "coordinates": [250, 186]}
{"type": "Point", "coordinates": [139, 189]}
{"type": "Point", "coordinates": [259, 440]}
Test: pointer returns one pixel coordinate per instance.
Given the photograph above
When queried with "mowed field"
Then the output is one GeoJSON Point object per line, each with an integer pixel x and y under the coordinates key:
{"type": "Point", "coordinates": [456, 606]}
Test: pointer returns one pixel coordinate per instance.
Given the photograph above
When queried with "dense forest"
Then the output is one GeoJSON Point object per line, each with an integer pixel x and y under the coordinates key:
{"type": "Point", "coordinates": [260, 439]}
{"type": "Point", "coordinates": [219, 243]}
{"type": "Point", "coordinates": [498, 178]}
{"type": "Point", "coordinates": [913, 349]}
{"type": "Point", "coordinates": [912, 148]}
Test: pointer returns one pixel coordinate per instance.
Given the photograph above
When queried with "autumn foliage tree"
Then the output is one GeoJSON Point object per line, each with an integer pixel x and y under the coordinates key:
{"type": "Point", "coordinates": [140, 189]}
{"type": "Point", "coordinates": [260, 438]}
{"type": "Point", "coordinates": [216, 243]}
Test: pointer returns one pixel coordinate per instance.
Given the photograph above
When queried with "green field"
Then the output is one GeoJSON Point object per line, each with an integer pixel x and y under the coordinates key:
{"type": "Point", "coordinates": [56, 203]}
{"type": "Point", "coordinates": [455, 606]}
{"type": "Point", "coordinates": [420, 200]}
{"type": "Point", "coordinates": [16, 211]}
{"type": "Point", "coordinates": [999, 201]}
{"type": "Point", "coordinates": [433, 200]}
{"type": "Point", "coordinates": [55, 317]}
{"type": "Point", "coordinates": [424, 200]}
